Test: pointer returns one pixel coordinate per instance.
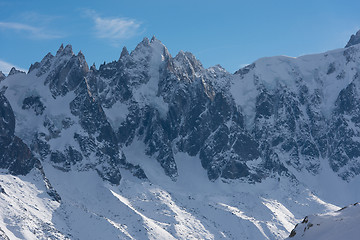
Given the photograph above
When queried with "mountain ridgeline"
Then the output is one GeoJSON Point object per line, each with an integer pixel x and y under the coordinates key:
{"type": "Point", "coordinates": [274, 117]}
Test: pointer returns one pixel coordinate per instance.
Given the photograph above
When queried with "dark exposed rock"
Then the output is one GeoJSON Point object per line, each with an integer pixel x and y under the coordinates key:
{"type": "Point", "coordinates": [354, 39]}
{"type": "Point", "coordinates": [14, 71]}
{"type": "Point", "coordinates": [15, 156]}
{"type": "Point", "coordinates": [67, 73]}
{"type": "Point", "coordinates": [344, 147]}
{"type": "Point", "coordinates": [3, 235]}
{"type": "Point", "coordinates": [2, 76]}
{"type": "Point", "coordinates": [34, 103]}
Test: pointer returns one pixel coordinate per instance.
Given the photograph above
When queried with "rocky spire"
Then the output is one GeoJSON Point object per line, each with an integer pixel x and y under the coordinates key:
{"type": "Point", "coordinates": [81, 56]}
{"type": "Point", "coordinates": [153, 39]}
{"type": "Point", "coordinates": [124, 52]}
{"type": "Point", "coordinates": [14, 71]}
{"type": "Point", "coordinates": [145, 41]}
{"type": "Point", "coordinates": [34, 66]}
{"type": "Point", "coordinates": [61, 48]}
{"type": "Point", "coordinates": [354, 39]}
{"type": "Point", "coordinates": [2, 76]}
{"type": "Point", "coordinates": [64, 51]}
{"type": "Point", "coordinates": [68, 50]}
{"type": "Point", "coordinates": [93, 67]}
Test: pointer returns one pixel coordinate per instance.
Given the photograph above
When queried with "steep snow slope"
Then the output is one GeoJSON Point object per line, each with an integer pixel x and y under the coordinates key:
{"type": "Point", "coordinates": [342, 224]}
{"type": "Point", "coordinates": [27, 211]}
{"type": "Point", "coordinates": [191, 208]}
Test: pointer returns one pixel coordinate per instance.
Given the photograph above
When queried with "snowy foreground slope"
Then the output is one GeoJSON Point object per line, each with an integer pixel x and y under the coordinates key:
{"type": "Point", "coordinates": [157, 147]}
{"type": "Point", "coordinates": [192, 208]}
{"type": "Point", "coordinates": [342, 224]}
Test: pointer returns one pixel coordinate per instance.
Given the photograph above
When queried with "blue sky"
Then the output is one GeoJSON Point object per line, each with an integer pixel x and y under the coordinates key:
{"type": "Point", "coordinates": [229, 33]}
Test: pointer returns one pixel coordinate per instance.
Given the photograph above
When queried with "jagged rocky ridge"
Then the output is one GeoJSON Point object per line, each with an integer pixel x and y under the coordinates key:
{"type": "Point", "coordinates": [274, 117]}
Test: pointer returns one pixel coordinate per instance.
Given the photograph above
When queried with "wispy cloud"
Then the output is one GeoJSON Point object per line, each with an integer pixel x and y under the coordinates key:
{"type": "Point", "coordinates": [114, 29]}
{"type": "Point", "coordinates": [38, 18]}
{"type": "Point", "coordinates": [5, 67]}
{"type": "Point", "coordinates": [30, 31]}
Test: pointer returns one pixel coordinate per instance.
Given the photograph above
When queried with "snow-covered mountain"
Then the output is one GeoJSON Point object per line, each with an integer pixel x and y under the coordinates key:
{"type": "Point", "coordinates": [155, 146]}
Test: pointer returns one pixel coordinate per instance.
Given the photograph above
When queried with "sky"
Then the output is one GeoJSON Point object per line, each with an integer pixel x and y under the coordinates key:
{"type": "Point", "coordinates": [232, 33]}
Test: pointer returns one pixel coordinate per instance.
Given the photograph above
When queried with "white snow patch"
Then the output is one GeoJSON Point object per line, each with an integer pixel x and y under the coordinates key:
{"type": "Point", "coordinates": [116, 114]}
{"type": "Point", "coordinates": [148, 93]}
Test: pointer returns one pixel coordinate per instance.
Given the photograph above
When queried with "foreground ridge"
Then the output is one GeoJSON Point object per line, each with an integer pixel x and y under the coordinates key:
{"type": "Point", "coordinates": [341, 224]}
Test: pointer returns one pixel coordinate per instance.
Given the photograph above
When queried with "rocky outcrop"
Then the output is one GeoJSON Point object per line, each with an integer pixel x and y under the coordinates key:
{"type": "Point", "coordinates": [340, 224]}
{"type": "Point", "coordinates": [354, 39]}
{"type": "Point", "coordinates": [14, 154]}
{"type": "Point", "coordinates": [2, 76]}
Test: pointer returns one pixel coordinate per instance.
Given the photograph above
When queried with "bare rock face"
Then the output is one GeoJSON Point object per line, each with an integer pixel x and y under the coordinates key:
{"type": "Point", "coordinates": [14, 154]}
{"type": "Point", "coordinates": [2, 76]}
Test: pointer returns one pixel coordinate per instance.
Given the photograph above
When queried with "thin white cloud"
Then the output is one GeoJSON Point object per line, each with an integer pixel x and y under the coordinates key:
{"type": "Point", "coordinates": [37, 18]}
{"type": "Point", "coordinates": [5, 67]}
{"type": "Point", "coordinates": [31, 31]}
{"type": "Point", "coordinates": [114, 29]}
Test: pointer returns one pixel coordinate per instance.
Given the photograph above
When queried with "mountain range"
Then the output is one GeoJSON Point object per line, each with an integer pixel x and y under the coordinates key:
{"type": "Point", "coordinates": [152, 146]}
